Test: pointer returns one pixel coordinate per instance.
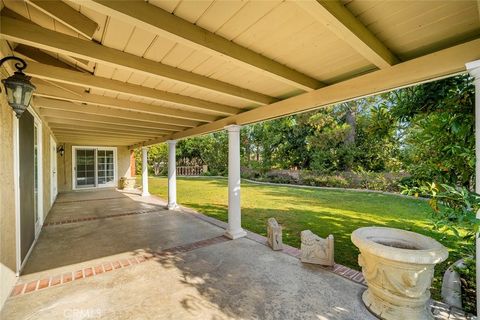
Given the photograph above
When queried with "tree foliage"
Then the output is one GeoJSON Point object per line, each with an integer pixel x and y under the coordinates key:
{"type": "Point", "coordinates": [425, 131]}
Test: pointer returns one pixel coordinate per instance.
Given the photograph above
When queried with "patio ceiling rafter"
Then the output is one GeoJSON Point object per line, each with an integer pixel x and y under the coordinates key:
{"type": "Point", "coordinates": [53, 104]}
{"type": "Point", "coordinates": [334, 15]}
{"type": "Point", "coordinates": [54, 121]}
{"type": "Point", "coordinates": [64, 128]}
{"type": "Point", "coordinates": [62, 114]}
{"type": "Point", "coordinates": [37, 55]}
{"type": "Point", "coordinates": [430, 67]}
{"type": "Point", "coordinates": [48, 91]}
{"type": "Point", "coordinates": [45, 39]}
{"type": "Point", "coordinates": [90, 133]}
{"type": "Point", "coordinates": [87, 140]}
{"type": "Point", "coordinates": [62, 12]}
{"type": "Point", "coordinates": [86, 80]}
{"type": "Point", "coordinates": [158, 21]}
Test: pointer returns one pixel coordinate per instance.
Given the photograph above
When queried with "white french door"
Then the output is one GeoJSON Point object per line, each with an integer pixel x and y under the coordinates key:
{"type": "Point", "coordinates": [37, 174]}
{"type": "Point", "coordinates": [53, 170]}
{"type": "Point", "coordinates": [94, 167]}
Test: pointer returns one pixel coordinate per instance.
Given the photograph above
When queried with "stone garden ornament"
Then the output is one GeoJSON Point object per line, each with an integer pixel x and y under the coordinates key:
{"type": "Point", "coordinates": [398, 266]}
{"type": "Point", "coordinates": [315, 249]}
{"type": "Point", "coordinates": [274, 234]}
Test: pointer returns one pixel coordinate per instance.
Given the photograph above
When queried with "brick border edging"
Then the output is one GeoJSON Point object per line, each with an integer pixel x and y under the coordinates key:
{"type": "Point", "coordinates": [99, 199]}
{"type": "Point", "coordinates": [90, 218]}
{"type": "Point", "coordinates": [66, 277]}
{"type": "Point", "coordinates": [97, 269]}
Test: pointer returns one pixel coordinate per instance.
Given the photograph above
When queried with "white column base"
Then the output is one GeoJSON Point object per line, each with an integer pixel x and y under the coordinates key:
{"type": "Point", "coordinates": [173, 206]}
{"type": "Point", "coordinates": [235, 234]}
{"type": "Point", "coordinates": [146, 194]}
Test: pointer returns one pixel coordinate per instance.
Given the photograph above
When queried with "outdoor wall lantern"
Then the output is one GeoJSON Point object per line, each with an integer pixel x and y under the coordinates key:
{"type": "Point", "coordinates": [18, 87]}
{"type": "Point", "coordinates": [61, 150]}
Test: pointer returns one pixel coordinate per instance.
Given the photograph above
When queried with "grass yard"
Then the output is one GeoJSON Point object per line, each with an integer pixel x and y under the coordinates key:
{"type": "Point", "coordinates": [324, 212]}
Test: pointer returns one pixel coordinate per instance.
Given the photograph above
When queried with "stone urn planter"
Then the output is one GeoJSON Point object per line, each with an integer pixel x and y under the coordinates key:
{"type": "Point", "coordinates": [126, 183]}
{"type": "Point", "coordinates": [398, 267]}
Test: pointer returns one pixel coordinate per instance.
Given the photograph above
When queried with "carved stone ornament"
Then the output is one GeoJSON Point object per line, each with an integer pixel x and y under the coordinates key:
{"type": "Point", "coordinates": [315, 249]}
{"type": "Point", "coordinates": [274, 234]}
{"type": "Point", "coordinates": [398, 266]}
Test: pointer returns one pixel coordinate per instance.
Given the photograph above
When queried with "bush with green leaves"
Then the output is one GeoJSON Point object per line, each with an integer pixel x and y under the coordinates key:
{"type": "Point", "coordinates": [454, 209]}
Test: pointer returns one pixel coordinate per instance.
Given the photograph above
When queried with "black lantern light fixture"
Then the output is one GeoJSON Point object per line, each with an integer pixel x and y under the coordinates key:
{"type": "Point", "coordinates": [18, 88]}
{"type": "Point", "coordinates": [61, 150]}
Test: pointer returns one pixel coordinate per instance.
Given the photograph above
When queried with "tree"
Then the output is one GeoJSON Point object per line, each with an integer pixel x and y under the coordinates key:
{"type": "Point", "coordinates": [439, 125]}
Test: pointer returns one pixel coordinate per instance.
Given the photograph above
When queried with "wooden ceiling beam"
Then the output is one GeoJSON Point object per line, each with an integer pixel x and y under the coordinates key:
{"type": "Point", "coordinates": [62, 12]}
{"type": "Point", "coordinates": [52, 120]}
{"type": "Point", "coordinates": [48, 103]}
{"type": "Point", "coordinates": [97, 133]}
{"type": "Point", "coordinates": [430, 67]}
{"type": "Point", "coordinates": [47, 91]}
{"type": "Point", "coordinates": [337, 18]}
{"type": "Point", "coordinates": [38, 55]}
{"type": "Point", "coordinates": [42, 38]}
{"type": "Point", "coordinates": [106, 119]}
{"type": "Point", "coordinates": [63, 127]}
{"type": "Point", "coordinates": [92, 140]}
{"type": "Point", "coordinates": [153, 19]}
{"type": "Point", "coordinates": [85, 80]}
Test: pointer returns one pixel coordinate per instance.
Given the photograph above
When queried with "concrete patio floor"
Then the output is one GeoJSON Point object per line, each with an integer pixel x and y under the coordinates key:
{"type": "Point", "coordinates": [103, 267]}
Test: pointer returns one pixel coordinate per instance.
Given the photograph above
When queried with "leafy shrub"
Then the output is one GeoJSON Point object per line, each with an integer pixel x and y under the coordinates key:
{"type": "Point", "coordinates": [467, 278]}
{"type": "Point", "coordinates": [380, 181]}
{"type": "Point", "coordinates": [454, 209]}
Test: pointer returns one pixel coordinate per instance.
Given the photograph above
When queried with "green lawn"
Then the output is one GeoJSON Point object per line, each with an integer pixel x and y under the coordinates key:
{"type": "Point", "coordinates": [324, 212]}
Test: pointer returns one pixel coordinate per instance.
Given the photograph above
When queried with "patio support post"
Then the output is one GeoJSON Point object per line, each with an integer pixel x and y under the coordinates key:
{"type": "Point", "coordinates": [145, 192]}
{"type": "Point", "coordinates": [172, 175]}
{"type": "Point", "coordinates": [474, 70]}
{"type": "Point", "coordinates": [234, 230]}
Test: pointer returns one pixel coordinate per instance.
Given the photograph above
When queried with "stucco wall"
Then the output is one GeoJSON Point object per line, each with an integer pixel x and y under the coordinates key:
{"type": "Point", "coordinates": [7, 202]}
{"type": "Point", "coordinates": [7, 196]}
{"type": "Point", "coordinates": [64, 165]}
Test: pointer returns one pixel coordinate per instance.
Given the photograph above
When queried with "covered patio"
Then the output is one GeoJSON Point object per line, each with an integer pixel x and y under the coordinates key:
{"type": "Point", "coordinates": [114, 76]}
{"type": "Point", "coordinates": [125, 256]}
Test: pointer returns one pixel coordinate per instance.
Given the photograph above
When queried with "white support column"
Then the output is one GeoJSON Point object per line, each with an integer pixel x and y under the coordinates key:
{"type": "Point", "coordinates": [234, 230]}
{"type": "Point", "coordinates": [474, 70]}
{"type": "Point", "coordinates": [172, 175]}
{"type": "Point", "coordinates": [145, 192]}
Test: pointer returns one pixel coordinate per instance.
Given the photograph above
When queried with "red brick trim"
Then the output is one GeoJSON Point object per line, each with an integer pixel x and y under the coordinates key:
{"type": "Point", "coordinates": [82, 219]}
{"type": "Point", "coordinates": [100, 199]}
{"type": "Point", "coordinates": [51, 281]}
{"type": "Point", "coordinates": [90, 271]}
{"type": "Point", "coordinates": [193, 246]}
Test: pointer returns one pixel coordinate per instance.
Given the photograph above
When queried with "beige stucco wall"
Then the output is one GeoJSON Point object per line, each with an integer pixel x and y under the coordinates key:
{"type": "Point", "coordinates": [64, 165]}
{"type": "Point", "coordinates": [7, 202]}
{"type": "Point", "coordinates": [7, 196]}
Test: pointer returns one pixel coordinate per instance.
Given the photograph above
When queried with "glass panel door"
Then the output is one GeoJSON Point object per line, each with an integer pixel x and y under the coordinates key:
{"type": "Point", "coordinates": [85, 168]}
{"type": "Point", "coordinates": [105, 166]}
{"type": "Point", "coordinates": [95, 167]}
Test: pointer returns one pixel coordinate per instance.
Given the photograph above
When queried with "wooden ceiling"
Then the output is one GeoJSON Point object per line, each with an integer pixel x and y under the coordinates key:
{"type": "Point", "coordinates": [142, 72]}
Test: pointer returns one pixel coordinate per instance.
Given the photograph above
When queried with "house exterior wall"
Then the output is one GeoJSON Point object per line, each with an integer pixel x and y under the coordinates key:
{"type": "Point", "coordinates": [8, 253]}
{"type": "Point", "coordinates": [65, 163]}
{"type": "Point", "coordinates": [7, 203]}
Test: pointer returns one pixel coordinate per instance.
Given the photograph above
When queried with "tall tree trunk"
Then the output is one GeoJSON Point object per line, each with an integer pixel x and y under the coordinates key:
{"type": "Point", "coordinates": [351, 120]}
